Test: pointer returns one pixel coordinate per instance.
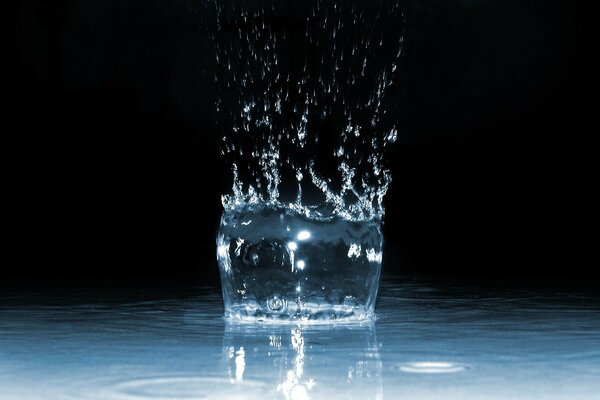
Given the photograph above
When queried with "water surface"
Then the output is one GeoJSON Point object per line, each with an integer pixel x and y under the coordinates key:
{"type": "Point", "coordinates": [427, 343]}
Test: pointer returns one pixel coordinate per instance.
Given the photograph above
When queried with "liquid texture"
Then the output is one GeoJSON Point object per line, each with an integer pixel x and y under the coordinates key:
{"type": "Point", "coordinates": [278, 265]}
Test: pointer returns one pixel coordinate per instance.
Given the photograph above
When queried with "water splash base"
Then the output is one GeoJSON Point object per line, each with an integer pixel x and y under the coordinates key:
{"type": "Point", "coordinates": [278, 265]}
{"type": "Point", "coordinates": [321, 315]}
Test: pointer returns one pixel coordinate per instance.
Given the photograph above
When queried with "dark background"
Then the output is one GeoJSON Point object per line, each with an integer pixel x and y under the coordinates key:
{"type": "Point", "coordinates": [112, 170]}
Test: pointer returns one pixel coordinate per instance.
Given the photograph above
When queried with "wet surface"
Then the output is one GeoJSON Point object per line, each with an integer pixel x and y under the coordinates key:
{"type": "Point", "coordinates": [427, 343]}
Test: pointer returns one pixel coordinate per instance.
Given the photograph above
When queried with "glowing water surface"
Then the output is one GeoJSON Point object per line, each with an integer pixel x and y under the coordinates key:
{"type": "Point", "coordinates": [427, 343]}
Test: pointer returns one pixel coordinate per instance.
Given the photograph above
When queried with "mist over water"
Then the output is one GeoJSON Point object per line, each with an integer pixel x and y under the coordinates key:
{"type": "Point", "coordinates": [302, 105]}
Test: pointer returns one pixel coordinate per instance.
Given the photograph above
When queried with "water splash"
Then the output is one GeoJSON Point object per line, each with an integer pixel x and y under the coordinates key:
{"type": "Point", "coordinates": [301, 102]}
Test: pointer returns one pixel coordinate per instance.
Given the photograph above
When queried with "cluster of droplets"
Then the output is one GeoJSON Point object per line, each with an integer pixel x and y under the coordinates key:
{"type": "Point", "coordinates": [301, 101]}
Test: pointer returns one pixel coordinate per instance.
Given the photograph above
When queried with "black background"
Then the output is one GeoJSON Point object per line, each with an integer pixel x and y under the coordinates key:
{"type": "Point", "coordinates": [112, 170]}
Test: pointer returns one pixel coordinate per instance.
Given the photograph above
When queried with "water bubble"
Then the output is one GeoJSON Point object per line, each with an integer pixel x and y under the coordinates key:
{"type": "Point", "coordinates": [275, 304]}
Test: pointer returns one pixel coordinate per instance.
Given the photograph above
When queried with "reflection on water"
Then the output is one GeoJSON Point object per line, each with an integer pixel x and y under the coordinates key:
{"type": "Point", "coordinates": [305, 361]}
{"type": "Point", "coordinates": [427, 343]}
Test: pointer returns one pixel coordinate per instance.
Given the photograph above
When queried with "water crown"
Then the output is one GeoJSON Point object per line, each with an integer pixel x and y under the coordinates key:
{"type": "Point", "coordinates": [301, 103]}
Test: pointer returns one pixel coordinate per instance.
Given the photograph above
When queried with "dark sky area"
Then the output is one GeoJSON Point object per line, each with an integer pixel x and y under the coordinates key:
{"type": "Point", "coordinates": [111, 144]}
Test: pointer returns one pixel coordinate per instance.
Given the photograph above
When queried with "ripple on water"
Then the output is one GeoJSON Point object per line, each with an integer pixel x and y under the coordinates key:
{"type": "Point", "coordinates": [188, 387]}
{"type": "Point", "coordinates": [431, 367]}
